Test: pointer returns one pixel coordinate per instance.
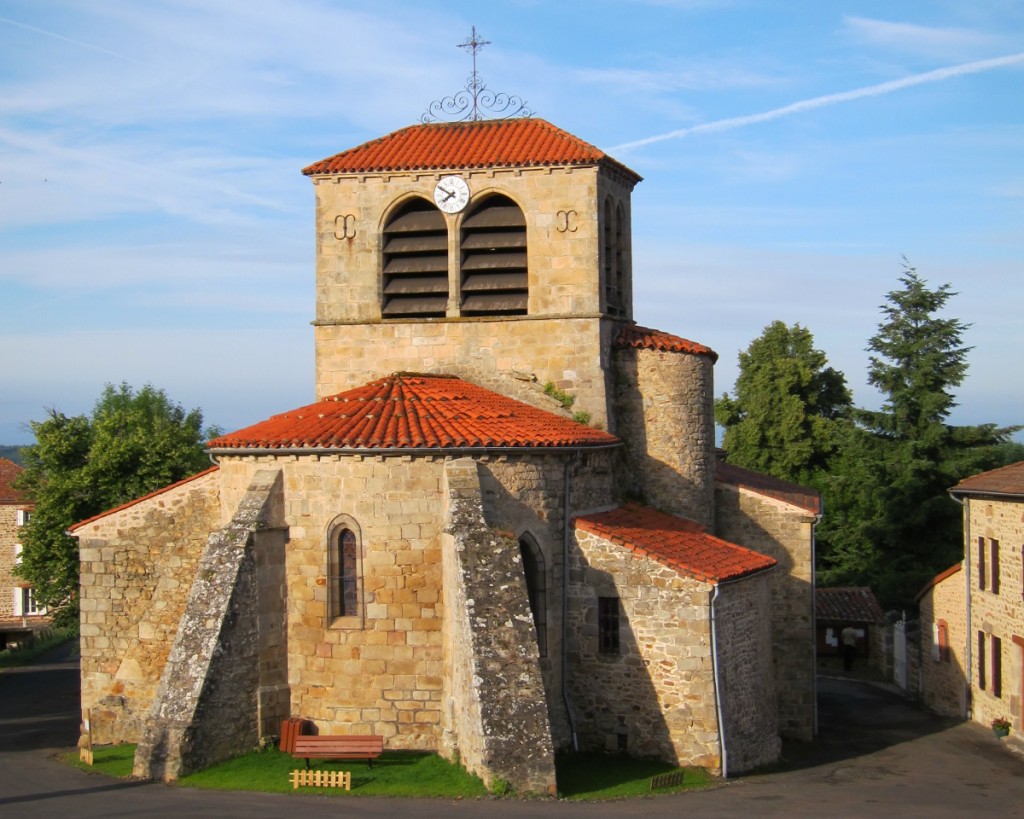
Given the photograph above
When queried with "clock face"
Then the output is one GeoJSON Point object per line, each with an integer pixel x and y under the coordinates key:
{"type": "Point", "coordinates": [451, 194]}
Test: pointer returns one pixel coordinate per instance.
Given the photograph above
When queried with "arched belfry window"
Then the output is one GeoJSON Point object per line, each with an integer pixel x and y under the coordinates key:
{"type": "Point", "coordinates": [613, 269]}
{"type": "Point", "coordinates": [536, 589]}
{"type": "Point", "coordinates": [493, 265]}
{"type": "Point", "coordinates": [415, 246]}
{"type": "Point", "coordinates": [343, 573]}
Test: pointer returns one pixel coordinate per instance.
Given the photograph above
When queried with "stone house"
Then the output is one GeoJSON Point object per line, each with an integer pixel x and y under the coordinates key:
{"type": "Point", "coordinates": [20, 615]}
{"type": "Point", "coordinates": [438, 550]}
{"type": "Point", "coordinates": [857, 606]}
{"type": "Point", "coordinates": [972, 615]}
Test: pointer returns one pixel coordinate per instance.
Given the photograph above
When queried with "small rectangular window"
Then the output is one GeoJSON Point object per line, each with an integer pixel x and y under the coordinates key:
{"type": "Point", "coordinates": [997, 667]}
{"type": "Point", "coordinates": [942, 641]}
{"type": "Point", "coordinates": [981, 563]}
{"type": "Point", "coordinates": [981, 660]}
{"type": "Point", "coordinates": [994, 561]}
{"type": "Point", "coordinates": [23, 517]}
{"type": "Point", "coordinates": [608, 625]}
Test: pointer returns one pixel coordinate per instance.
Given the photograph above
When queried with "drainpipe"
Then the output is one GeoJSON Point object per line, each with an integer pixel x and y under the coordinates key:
{"type": "Point", "coordinates": [565, 607]}
{"type": "Point", "coordinates": [718, 698]}
{"type": "Point", "coordinates": [968, 656]}
{"type": "Point", "coordinates": [814, 614]}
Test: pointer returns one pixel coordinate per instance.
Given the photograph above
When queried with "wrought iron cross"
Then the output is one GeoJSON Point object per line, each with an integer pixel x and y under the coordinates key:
{"type": "Point", "coordinates": [472, 46]}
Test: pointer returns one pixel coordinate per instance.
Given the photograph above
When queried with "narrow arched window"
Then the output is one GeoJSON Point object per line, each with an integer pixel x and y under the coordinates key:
{"type": "Point", "coordinates": [415, 260]}
{"type": "Point", "coordinates": [494, 278]}
{"type": "Point", "coordinates": [536, 589]}
{"type": "Point", "coordinates": [343, 581]}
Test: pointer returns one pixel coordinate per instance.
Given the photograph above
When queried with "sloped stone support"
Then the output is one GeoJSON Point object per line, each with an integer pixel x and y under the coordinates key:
{"type": "Point", "coordinates": [211, 698]}
{"type": "Point", "coordinates": [496, 718]}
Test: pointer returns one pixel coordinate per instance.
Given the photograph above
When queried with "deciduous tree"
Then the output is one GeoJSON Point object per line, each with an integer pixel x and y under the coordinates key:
{"type": "Point", "coordinates": [134, 443]}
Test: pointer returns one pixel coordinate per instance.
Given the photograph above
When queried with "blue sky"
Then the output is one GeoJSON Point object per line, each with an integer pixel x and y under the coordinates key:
{"type": "Point", "coordinates": [155, 226]}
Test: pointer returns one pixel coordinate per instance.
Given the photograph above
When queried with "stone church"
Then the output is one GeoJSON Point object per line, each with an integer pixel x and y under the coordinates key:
{"type": "Point", "coordinates": [501, 531]}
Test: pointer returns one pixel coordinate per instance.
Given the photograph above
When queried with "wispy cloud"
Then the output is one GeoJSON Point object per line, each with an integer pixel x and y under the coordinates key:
{"type": "Point", "coordinates": [730, 123]}
{"type": "Point", "coordinates": [908, 37]}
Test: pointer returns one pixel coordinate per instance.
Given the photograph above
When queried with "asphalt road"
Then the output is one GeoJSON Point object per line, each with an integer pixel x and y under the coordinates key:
{"type": "Point", "coordinates": [876, 755]}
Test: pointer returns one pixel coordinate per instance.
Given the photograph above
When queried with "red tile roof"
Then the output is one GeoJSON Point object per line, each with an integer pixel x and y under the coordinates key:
{"type": "Point", "coordinates": [1007, 480]}
{"type": "Point", "coordinates": [648, 339]}
{"type": "Point", "coordinates": [856, 604]}
{"type": "Point", "coordinates": [931, 584]}
{"type": "Point", "coordinates": [675, 542]}
{"type": "Point", "coordinates": [411, 411]}
{"type": "Point", "coordinates": [9, 470]}
{"type": "Point", "coordinates": [768, 486]}
{"type": "Point", "coordinates": [517, 143]}
{"type": "Point", "coordinates": [152, 494]}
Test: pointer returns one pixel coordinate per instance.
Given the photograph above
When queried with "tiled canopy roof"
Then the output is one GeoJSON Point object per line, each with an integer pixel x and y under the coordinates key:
{"type": "Point", "coordinates": [768, 486]}
{"type": "Point", "coordinates": [675, 542]}
{"type": "Point", "coordinates": [649, 339]}
{"type": "Point", "coordinates": [517, 143]}
{"type": "Point", "coordinates": [856, 604]}
{"type": "Point", "coordinates": [410, 411]}
{"type": "Point", "coordinates": [9, 470]}
{"type": "Point", "coordinates": [1007, 480]}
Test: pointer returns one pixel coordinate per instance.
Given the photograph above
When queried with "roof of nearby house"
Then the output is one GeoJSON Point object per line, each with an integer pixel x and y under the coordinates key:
{"type": "Point", "coordinates": [413, 411]}
{"type": "Point", "coordinates": [768, 486]}
{"type": "Point", "coordinates": [152, 494]}
{"type": "Point", "coordinates": [855, 604]}
{"type": "Point", "coordinates": [1007, 480]}
{"type": "Point", "coordinates": [675, 542]}
{"type": "Point", "coordinates": [516, 143]}
{"type": "Point", "coordinates": [9, 470]}
{"type": "Point", "coordinates": [931, 584]}
{"type": "Point", "coordinates": [646, 338]}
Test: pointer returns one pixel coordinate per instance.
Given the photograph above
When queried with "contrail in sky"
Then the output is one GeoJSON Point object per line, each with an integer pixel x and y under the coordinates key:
{"type": "Point", "coordinates": [831, 99]}
{"type": "Point", "coordinates": [56, 36]}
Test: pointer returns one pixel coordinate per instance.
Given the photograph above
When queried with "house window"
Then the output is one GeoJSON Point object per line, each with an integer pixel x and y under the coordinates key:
{"type": "Point", "coordinates": [536, 589]}
{"type": "Point", "coordinates": [23, 517]}
{"type": "Point", "coordinates": [25, 603]}
{"type": "Point", "coordinates": [981, 660]}
{"type": "Point", "coordinates": [988, 564]}
{"type": "Point", "coordinates": [942, 641]}
{"type": "Point", "coordinates": [608, 625]}
{"type": "Point", "coordinates": [997, 667]}
{"type": "Point", "coordinates": [343, 577]}
{"type": "Point", "coordinates": [493, 265]}
{"type": "Point", "coordinates": [415, 258]}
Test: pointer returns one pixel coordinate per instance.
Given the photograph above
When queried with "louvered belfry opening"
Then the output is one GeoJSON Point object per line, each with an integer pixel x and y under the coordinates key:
{"type": "Point", "coordinates": [494, 272]}
{"type": "Point", "coordinates": [415, 262]}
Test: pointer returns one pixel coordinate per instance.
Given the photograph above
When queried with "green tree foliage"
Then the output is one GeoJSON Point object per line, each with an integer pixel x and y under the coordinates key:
{"type": "Point", "coordinates": [786, 415]}
{"type": "Point", "coordinates": [890, 522]}
{"type": "Point", "coordinates": [134, 443]}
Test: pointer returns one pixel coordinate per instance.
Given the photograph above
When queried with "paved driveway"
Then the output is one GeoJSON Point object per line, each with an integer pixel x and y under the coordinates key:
{"type": "Point", "coordinates": [876, 756]}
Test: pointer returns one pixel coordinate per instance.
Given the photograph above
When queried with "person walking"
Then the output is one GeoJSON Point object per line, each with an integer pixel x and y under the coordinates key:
{"type": "Point", "coordinates": [849, 639]}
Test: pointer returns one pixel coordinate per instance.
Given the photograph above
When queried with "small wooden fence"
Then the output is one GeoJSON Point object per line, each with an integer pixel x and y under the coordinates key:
{"type": "Point", "coordinates": [321, 779]}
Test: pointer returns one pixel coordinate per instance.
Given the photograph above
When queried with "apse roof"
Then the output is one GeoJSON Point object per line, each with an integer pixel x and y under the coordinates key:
{"type": "Point", "coordinates": [407, 411]}
{"type": "Point", "coordinates": [517, 143]}
{"type": "Point", "coordinates": [676, 542]}
{"type": "Point", "coordinates": [791, 493]}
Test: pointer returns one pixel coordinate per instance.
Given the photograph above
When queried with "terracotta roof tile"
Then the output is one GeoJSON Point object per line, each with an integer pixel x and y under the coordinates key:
{"type": "Point", "coordinates": [152, 494]}
{"type": "Point", "coordinates": [856, 604]}
{"type": "Point", "coordinates": [648, 339]}
{"type": "Point", "coordinates": [1007, 480]}
{"type": "Point", "coordinates": [9, 470]}
{"type": "Point", "coordinates": [514, 143]}
{"type": "Point", "coordinates": [931, 584]}
{"type": "Point", "coordinates": [675, 542]}
{"type": "Point", "coordinates": [411, 411]}
{"type": "Point", "coordinates": [791, 493]}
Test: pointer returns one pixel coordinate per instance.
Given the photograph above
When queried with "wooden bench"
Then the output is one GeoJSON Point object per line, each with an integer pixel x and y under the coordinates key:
{"type": "Point", "coordinates": [320, 746]}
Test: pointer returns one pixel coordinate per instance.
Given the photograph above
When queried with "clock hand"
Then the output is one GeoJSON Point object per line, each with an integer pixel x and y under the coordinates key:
{"type": "Point", "coordinates": [449, 194]}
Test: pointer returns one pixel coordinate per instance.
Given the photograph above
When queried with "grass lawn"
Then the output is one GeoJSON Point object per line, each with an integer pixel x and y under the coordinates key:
{"type": "Point", "coordinates": [408, 773]}
{"type": "Point", "coordinates": [23, 655]}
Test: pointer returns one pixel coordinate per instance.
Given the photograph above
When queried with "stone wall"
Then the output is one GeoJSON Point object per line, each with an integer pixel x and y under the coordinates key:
{"type": "Point", "coordinates": [207, 706]}
{"type": "Point", "coordinates": [784, 532]}
{"type": "Point", "coordinates": [656, 697]}
{"type": "Point", "coordinates": [496, 715]}
{"type": "Point", "coordinates": [746, 684]}
{"type": "Point", "coordinates": [664, 413]}
{"type": "Point", "coordinates": [944, 677]}
{"type": "Point", "coordinates": [996, 615]}
{"type": "Point", "coordinates": [9, 537]}
{"type": "Point", "coordinates": [136, 568]}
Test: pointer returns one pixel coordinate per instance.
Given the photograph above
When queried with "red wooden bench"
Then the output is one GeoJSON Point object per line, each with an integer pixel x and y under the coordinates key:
{"type": "Point", "coordinates": [321, 746]}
